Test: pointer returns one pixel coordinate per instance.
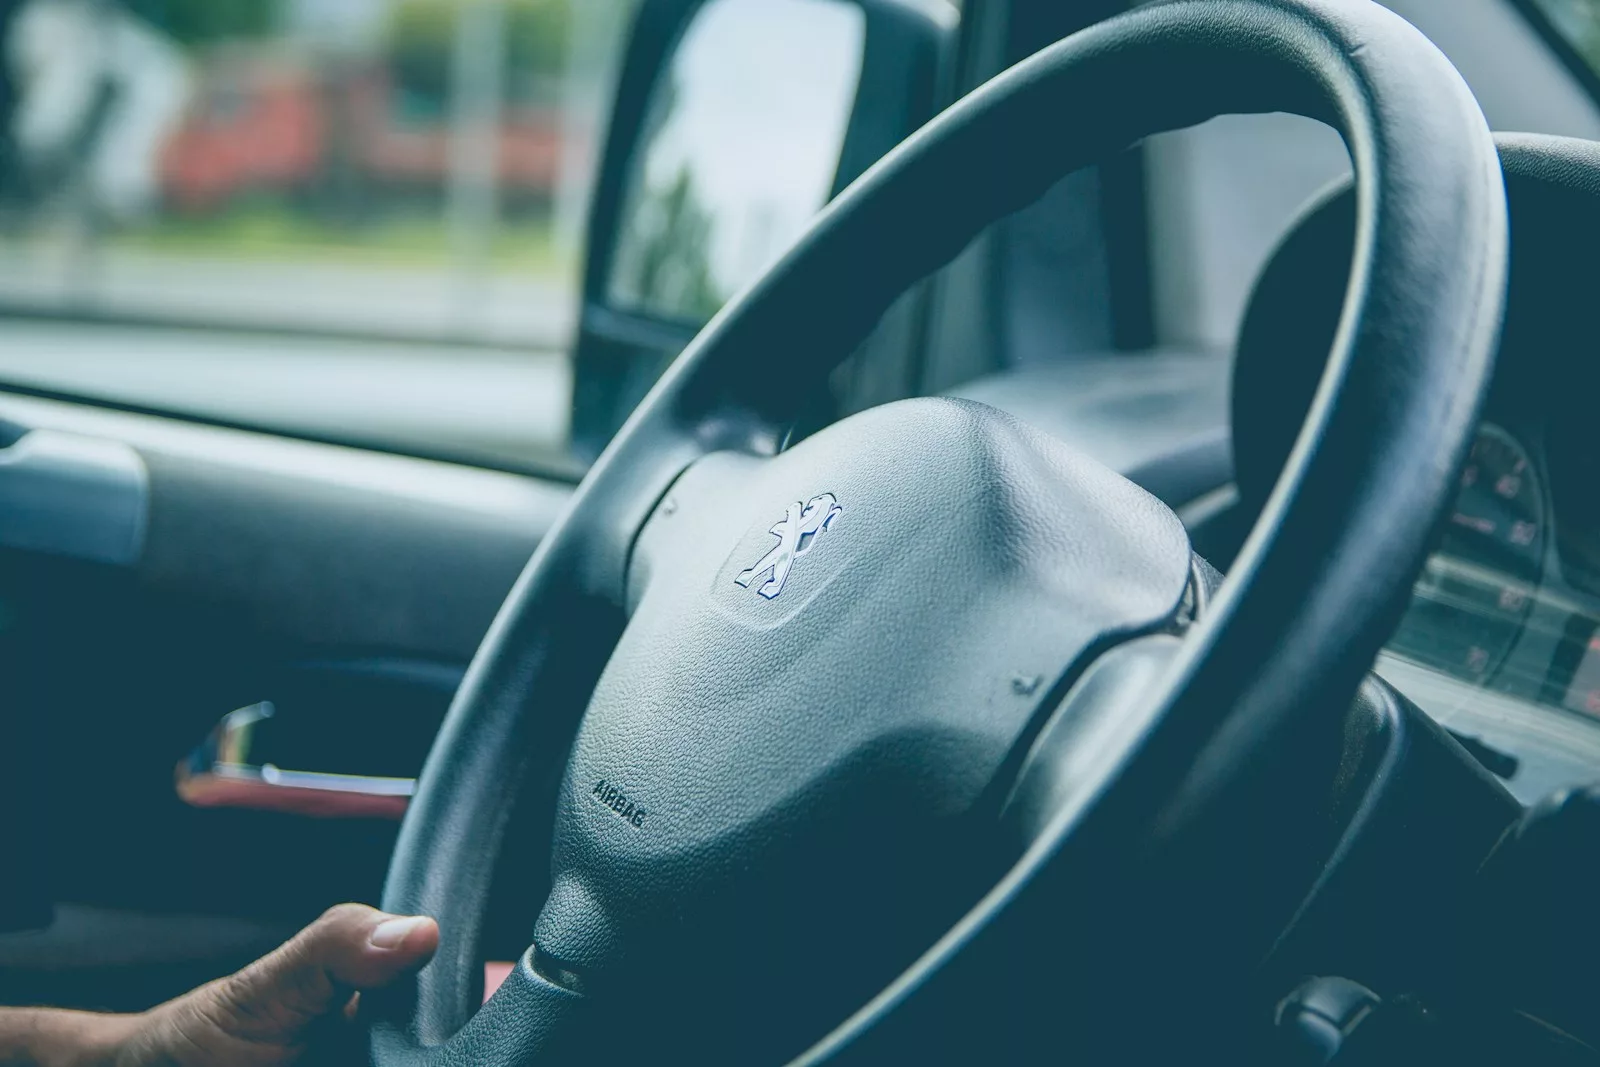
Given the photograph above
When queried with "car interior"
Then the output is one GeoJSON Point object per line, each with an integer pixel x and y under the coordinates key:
{"type": "Point", "coordinates": [1041, 529]}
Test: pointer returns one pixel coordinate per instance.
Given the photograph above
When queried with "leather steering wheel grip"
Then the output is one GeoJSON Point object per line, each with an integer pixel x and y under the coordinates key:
{"type": "Point", "coordinates": [1288, 636]}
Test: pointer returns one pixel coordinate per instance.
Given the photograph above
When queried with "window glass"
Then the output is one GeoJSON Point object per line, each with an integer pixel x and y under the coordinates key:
{"type": "Point", "coordinates": [370, 209]}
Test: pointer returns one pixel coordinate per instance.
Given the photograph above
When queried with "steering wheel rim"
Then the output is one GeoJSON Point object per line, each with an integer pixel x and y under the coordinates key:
{"type": "Point", "coordinates": [1289, 634]}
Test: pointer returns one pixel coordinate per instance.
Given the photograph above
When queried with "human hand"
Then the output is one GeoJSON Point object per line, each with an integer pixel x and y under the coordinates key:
{"type": "Point", "coordinates": [288, 1006]}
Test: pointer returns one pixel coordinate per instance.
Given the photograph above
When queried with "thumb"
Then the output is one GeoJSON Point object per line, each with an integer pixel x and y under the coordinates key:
{"type": "Point", "coordinates": [350, 947]}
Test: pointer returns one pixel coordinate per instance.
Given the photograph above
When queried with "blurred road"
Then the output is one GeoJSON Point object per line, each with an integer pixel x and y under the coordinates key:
{"type": "Point", "coordinates": [382, 298]}
{"type": "Point", "coordinates": [496, 404]}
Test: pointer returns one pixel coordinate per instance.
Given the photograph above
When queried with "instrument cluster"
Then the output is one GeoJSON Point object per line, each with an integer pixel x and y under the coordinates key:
{"type": "Point", "coordinates": [1508, 605]}
{"type": "Point", "coordinates": [1501, 641]}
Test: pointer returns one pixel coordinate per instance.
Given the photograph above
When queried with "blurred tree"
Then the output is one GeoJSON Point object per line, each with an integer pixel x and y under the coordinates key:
{"type": "Point", "coordinates": [536, 35]}
{"type": "Point", "coordinates": [1579, 21]}
{"type": "Point", "coordinates": [202, 21]}
{"type": "Point", "coordinates": [664, 261]}
{"type": "Point", "coordinates": [421, 35]}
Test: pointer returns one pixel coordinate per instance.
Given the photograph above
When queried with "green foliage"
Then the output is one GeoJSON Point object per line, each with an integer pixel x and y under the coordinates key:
{"type": "Point", "coordinates": [202, 21]}
{"type": "Point", "coordinates": [422, 34]}
{"type": "Point", "coordinates": [664, 259]}
{"type": "Point", "coordinates": [536, 35]}
{"type": "Point", "coordinates": [1579, 22]}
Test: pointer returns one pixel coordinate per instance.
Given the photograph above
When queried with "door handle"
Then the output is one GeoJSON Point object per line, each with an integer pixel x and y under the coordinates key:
{"type": "Point", "coordinates": [219, 774]}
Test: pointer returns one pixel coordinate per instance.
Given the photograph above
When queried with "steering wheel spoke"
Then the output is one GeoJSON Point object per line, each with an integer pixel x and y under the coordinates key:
{"type": "Point", "coordinates": [528, 1019]}
{"type": "Point", "coordinates": [1107, 712]}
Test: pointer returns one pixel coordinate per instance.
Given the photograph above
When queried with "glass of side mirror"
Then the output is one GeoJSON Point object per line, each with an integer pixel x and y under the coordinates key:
{"type": "Point", "coordinates": [740, 147]}
{"type": "Point", "coordinates": [734, 122]}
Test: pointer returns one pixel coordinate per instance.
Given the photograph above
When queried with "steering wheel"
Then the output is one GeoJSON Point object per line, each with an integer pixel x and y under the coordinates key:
{"type": "Point", "coordinates": [880, 745]}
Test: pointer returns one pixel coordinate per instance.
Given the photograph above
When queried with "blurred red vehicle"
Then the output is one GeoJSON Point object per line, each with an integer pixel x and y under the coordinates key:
{"type": "Point", "coordinates": [253, 125]}
{"type": "Point", "coordinates": [263, 125]}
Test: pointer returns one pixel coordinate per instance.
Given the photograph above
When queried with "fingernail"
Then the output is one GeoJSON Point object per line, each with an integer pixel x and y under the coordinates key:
{"type": "Point", "coordinates": [391, 933]}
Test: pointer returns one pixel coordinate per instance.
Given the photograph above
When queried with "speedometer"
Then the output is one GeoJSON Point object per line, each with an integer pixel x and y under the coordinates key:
{"type": "Point", "coordinates": [1469, 606]}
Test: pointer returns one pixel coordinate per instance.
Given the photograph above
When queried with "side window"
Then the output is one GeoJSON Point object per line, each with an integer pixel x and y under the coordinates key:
{"type": "Point", "coordinates": [354, 219]}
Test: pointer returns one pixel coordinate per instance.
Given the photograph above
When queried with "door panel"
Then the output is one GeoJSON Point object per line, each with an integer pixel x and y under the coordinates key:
{"type": "Point", "coordinates": [322, 543]}
{"type": "Point", "coordinates": [347, 587]}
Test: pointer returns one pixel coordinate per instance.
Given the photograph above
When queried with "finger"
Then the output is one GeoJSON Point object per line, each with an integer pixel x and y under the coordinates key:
{"type": "Point", "coordinates": [350, 947]}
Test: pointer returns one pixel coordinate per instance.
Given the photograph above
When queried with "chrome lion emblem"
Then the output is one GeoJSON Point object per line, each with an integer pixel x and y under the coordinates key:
{"type": "Point", "coordinates": [796, 532]}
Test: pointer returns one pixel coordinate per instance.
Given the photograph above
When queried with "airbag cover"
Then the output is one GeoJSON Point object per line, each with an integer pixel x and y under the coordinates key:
{"type": "Point", "coordinates": [763, 747]}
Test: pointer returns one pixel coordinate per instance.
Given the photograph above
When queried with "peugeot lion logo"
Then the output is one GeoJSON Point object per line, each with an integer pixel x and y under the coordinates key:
{"type": "Point", "coordinates": [796, 532]}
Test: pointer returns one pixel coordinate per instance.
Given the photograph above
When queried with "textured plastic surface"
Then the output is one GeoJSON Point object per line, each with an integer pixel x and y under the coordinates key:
{"type": "Point", "coordinates": [73, 496]}
{"type": "Point", "coordinates": [805, 768]}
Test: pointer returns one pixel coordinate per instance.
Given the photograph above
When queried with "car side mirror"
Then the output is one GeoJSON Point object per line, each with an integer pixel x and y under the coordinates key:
{"type": "Point", "coordinates": [734, 122]}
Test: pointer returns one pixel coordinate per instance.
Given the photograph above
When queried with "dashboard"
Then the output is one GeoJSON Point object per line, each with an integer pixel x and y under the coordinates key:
{"type": "Point", "coordinates": [1500, 639]}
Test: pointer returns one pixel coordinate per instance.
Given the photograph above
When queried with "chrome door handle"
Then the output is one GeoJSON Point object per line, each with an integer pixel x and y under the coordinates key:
{"type": "Point", "coordinates": [219, 774]}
